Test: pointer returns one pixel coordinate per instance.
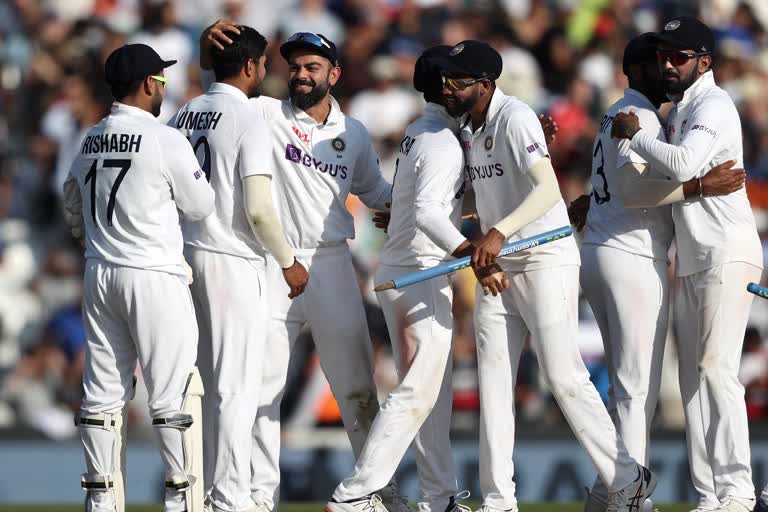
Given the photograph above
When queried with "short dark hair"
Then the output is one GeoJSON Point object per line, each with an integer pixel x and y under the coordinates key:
{"type": "Point", "coordinates": [249, 44]}
{"type": "Point", "coordinates": [120, 91]}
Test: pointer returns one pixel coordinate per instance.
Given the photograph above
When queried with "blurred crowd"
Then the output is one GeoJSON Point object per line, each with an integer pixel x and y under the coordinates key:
{"type": "Point", "coordinates": [560, 56]}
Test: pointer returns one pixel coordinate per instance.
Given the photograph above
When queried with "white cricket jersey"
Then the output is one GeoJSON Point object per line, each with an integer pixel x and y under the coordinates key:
{"type": "Point", "coordinates": [497, 159]}
{"type": "Point", "coordinates": [231, 141]}
{"type": "Point", "coordinates": [645, 232]}
{"type": "Point", "coordinates": [429, 178]}
{"type": "Point", "coordinates": [704, 130]}
{"type": "Point", "coordinates": [316, 166]}
{"type": "Point", "coordinates": [135, 175]}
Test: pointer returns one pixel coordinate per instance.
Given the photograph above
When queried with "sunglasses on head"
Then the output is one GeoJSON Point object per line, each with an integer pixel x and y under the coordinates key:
{"type": "Point", "coordinates": [677, 57]}
{"type": "Point", "coordinates": [459, 84]}
{"type": "Point", "coordinates": [310, 38]}
{"type": "Point", "coordinates": [163, 80]}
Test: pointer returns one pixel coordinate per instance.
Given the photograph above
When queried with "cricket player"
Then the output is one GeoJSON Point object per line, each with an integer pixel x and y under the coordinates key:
{"type": "Point", "coordinates": [320, 156]}
{"type": "Point", "coordinates": [423, 232]}
{"type": "Point", "coordinates": [629, 226]}
{"type": "Point", "coordinates": [718, 252]}
{"type": "Point", "coordinates": [227, 254]}
{"type": "Point", "coordinates": [534, 291]}
{"type": "Point", "coordinates": [131, 180]}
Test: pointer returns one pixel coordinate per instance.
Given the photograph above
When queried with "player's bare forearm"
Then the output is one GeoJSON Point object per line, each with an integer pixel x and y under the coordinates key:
{"type": "Point", "coordinates": [465, 249]}
{"type": "Point", "coordinates": [719, 181]}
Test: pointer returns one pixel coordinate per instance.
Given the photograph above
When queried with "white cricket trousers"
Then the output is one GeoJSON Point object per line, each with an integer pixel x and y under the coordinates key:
{"type": "Point", "coordinates": [133, 314]}
{"type": "Point", "coordinates": [233, 318]}
{"type": "Point", "coordinates": [629, 295]}
{"type": "Point", "coordinates": [420, 323]}
{"type": "Point", "coordinates": [543, 303]}
{"type": "Point", "coordinates": [332, 306]}
{"type": "Point", "coordinates": [712, 310]}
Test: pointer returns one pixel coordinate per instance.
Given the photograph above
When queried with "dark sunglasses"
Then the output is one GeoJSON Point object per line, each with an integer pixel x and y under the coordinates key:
{"type": "Point", "coordinates": [677, 57]}
{"type": "Point", "coordinates": [310, 38]}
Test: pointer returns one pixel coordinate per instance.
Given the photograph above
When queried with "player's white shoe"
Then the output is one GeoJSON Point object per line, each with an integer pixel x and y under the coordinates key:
{"type": "Point", "coordinates": [370, 503]}
{"type": "Point", "coordinates": [595, 503]}
{"type": "Point", "coordinates": [632, 497]}
{"type": "Point", "coordinates": [391, 499]}
{"type": "Point", "coordinates": [732, 504]}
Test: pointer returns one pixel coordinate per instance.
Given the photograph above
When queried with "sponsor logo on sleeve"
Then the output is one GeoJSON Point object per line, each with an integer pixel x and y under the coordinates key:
{"type": "Point", "coordinates": [703, 128]}
{"type": "Point", "coordinates": [533, 147]}
{"type": "Point", "coordinates": [198, 174]}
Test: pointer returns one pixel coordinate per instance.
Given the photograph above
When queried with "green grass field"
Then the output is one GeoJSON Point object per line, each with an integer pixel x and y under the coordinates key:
{"type": "Point", "coordinates": [318, 507]}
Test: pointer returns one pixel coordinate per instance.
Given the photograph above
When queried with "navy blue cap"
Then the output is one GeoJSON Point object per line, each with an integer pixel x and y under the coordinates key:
{"type": "Point", "coordinates": [426, 72]}
{"type": "Point", "coordinates": [641, 49]}
{"type": "Point", "coordinates": [471, 58]}
{"type": "Point", "coordinates": [316, 43]}
{"type": "Point", "coordinates": [132, 63]}
{"type": "Point", "coordinates": [687, 33]}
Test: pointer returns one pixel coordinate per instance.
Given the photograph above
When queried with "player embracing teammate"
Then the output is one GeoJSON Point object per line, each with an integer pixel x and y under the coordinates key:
{"type": "Point", "coordinates": [273, 257]}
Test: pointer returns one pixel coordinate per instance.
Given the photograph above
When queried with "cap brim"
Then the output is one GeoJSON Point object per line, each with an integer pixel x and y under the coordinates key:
{"type": "Point", "coordinates": [169, 63]}
{"type": "Point", "coordinates": [671, 41]}
{"type": "Point", "coordinates": [286, 49]}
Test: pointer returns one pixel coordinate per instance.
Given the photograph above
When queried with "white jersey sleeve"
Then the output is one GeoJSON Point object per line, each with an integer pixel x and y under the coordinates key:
{"type": "Point", "coordinates": [525, 139]}
{"type": "Point", "coordinates": [367, 182]}
{"type": "Point", "coordinates": [255, 154]}
{"type": "Point", "coordinates": [193, 195]}
{"type": "Point", "coordinates": [434, 196]}
{"type": "Point", "coordinates": [649, 121]}
{"type": "Point", "coordinates": [688, 159]}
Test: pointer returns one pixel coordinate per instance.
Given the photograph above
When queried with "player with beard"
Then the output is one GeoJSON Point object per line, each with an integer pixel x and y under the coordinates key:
{"type": "Point", "coordinates": [718, 252]}
{"type": "Point", "coordinates": [129, 186]}
{"type": "Point", "coordinates": [533, 292]}
{"type": "Point", "coordinates": [629, 226]}
{"type": "Point", "coordinates": [320, 156]}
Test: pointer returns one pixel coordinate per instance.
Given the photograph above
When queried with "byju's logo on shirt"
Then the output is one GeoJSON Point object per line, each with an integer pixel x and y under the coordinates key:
{"type": "Point", "coordinates": [296, 155]}
{"type": "Point", "coordinates": [533, 147]}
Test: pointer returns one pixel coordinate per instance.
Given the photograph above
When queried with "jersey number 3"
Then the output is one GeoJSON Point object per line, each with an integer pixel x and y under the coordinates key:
{"type": "Point", "coordinates": [119, 163]}
{"type": "Point", "coordinates": [600, 171]}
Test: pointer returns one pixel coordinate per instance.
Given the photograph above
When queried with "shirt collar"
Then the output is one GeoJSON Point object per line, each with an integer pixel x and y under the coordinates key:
{"type": "Point", "coordinates": [335, 115]}
{"type": "Point", "coordinates": [493, 108]}
{"type": "Point", "coordinates": [699, 87]}
{"type": "Point", "coordinates": [122, 108]}
{"type": "Point", "coordinates": [222, 88]}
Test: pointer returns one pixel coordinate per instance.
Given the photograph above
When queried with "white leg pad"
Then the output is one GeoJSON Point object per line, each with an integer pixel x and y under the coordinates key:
{"type": "Point", "coordinates": [190, 422]}
{"type": "Point", "coordinates": [113, 482]}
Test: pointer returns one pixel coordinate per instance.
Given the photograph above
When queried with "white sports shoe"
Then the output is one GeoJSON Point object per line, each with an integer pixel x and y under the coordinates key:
{"type": "Point", "coordinates": [391, 499]}
{"type": "Point", "coordinates": [370, 503]}
{"type": "Point", "coordinates": [632, 497]}
{"type": "Point", "coordinates": [733, 504]}
{"type": "Point", "coordinates": [259, 507]}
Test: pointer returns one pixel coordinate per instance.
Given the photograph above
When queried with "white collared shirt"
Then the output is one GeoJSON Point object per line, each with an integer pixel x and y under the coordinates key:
{"type": "Point", "coordinates": [135, 175]}
{"type": "Point", "coordinates": [231, 141]}
{"type": "Point", "coordinates": [316, 166]}
{"type": "Point", "coordinates": [704, 130]}
{"type": "Point", "coordinates": [497, 159]}
{"type": "Point", "coordinates": [644, 232]}
{"type": "Point", "coordinates": [428, 179]}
